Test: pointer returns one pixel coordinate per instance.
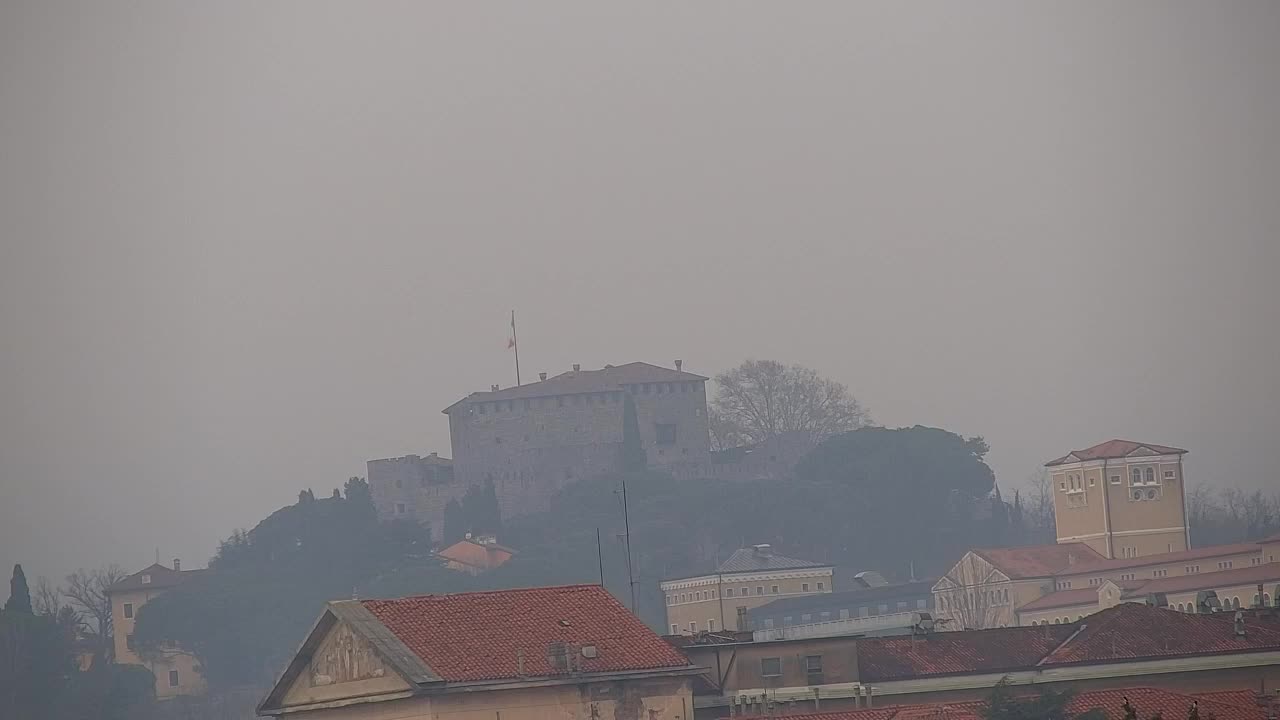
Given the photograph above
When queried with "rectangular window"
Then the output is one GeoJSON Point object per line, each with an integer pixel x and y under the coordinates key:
{"type": "Point", "coordinates": [883, 608]}
{"type": "Point", "coordinates": [711, 625]}
{"type": "Point", "coordinates": [1168, 474]}
{"type": "Point", "coordinates": [804, 587]}
{"type": "Point", "coordinates": [771, 667]}
{"type": "Point", "coordinates": [864, 612]}
{"type": "Point", "coordinates": [728, 592]}
{"type": "Point", "coordinates": [693, 626]}
{"type": "Point", "coordinates": [825, 617]}
{"type": "Point", "coordinates": [813, 663]}
{"type": "Point", "coordinates": [768, 623]}
{"type": "Point", "coordinates": [173, 678]}
{"type": "Point", "coordinates": [146, 579]}
{"type": "Point", "coordinates": [786, 620]}
{"type": "Point", "coordinates": [675, 629]}
{"type": "Point", "coordinates": [745, 592]}
{"type": "Point", "coordinates": [128, 641]}
{"type": "Point", "coordinates": [1115, 479]}
{"type": "Point", "coordinates": [902, 604]}
{"type": "Point", "coordinates": [759, 589]}
{"type": "Point", "coordinates": [128, 610]}
{"type": "Point", "coordinates": [774, 589]}
{"type": "Point", "coordinates": [665, 433]}
{"type": "Point", "coordinates": [821, 587]}
{"type": "Point", "coordinates": [668, 599]}
{"type": "Point", "coordinates": [1092, 482]}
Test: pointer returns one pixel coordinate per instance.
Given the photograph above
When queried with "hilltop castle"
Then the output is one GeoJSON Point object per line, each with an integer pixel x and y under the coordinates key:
{"type": "Point", "coordinates": [531, 440]}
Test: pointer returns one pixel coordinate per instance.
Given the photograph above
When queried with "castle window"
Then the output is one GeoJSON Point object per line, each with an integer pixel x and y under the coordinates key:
{"type": "Point", "coordinates": [128, 610]}
{"type": "Point", "coordinates": [666, 433]}
{"type": "Point", "coordinates": [773, 590]}
{"type": "Point", "coordinates": [693, 626]}
{"type": "Point", "coordinates": [821, 587]}
{"type": "Point", "coordinates": [759, 589]}
{"type": "Point", "coordinates": [804, 587]}
{"type": "Point", "coordinates": [173, 678]}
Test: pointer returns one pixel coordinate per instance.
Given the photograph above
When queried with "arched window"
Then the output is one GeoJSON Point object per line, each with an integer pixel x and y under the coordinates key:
{"type": "Point", "coordinates": [1182, 608]}
{"type": "Point", "coordinates": [1137, 476]}
{"type": "Point", "coordinates": [1151, 475]}
{"type": "Point", "coordinates": [1056, 621]}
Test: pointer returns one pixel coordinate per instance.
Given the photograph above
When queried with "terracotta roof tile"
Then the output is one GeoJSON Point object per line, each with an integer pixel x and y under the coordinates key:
{"type": "Point", "coordinates": [159, 576]}
{"type": "Point", "coordinates": [1040, 560]}
{"type": "Point", "coordinates": [1132, 631]}
{"type": "Point", "coordinates": [1265, 573]}
{"type": "Point", "coordinates": [1212, 551]}
{"type": "Point", "coordinates": [953, 653]}
{"type": "Point", "coordinates": [1113, 449]}
{"type": "Point", "coordinates": [1149, 702]}
{"type": "Point", "coordinates": [1063, 598]}
{"type": "Point", "coordinates": [479, 636]}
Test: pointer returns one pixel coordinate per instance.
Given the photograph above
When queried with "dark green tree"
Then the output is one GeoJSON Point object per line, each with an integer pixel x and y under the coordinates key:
{"type": "Point", "coordinates": [455, 522]}
{"type": "Point", "coordinates": [35, 664]}
{"type": "Point", "coordinates": [19, 593]}
{"type": "Point", "coordinates": [633, 457]}
{"type": "Point", "coordinates": [1044, 704]}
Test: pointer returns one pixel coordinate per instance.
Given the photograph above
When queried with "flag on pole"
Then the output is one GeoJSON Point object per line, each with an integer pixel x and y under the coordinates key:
{"type": "Point", "coordinates": [511, 341]}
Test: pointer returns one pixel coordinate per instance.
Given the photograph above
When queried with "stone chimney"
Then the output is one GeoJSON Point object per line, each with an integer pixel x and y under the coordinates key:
{"type": "Point", "coordinates": [576, 367]}
{"type": "Point", "coordinates": [762, 550]}
{"type": "Point", "coordinates": [493, 388]}
{"type": "Point", "coordinates": [679, 364]}
{"type": "Point", "coordinates": [177, 564]}
{"type": "Point", "coordinates": [542, 376]}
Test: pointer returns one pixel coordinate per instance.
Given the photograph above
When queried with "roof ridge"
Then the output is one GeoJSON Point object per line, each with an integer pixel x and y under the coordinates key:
{"type": "Point", "coordinates": [498, 591]}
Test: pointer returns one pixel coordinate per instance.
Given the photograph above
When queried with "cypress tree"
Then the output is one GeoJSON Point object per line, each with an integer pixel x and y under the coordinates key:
{"type": "Point", "coordinates": [19, 593]}
{"type": "Point", "coordinates": [633, 458]}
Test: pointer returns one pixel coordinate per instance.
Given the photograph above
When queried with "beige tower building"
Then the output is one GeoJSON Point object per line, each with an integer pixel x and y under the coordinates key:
{"type": "Point", "coordinates": [1124, 499]}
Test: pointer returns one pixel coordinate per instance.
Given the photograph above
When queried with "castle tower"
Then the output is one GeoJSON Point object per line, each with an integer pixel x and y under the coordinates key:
{"type": "Point", "coordinates": [1122, 498]}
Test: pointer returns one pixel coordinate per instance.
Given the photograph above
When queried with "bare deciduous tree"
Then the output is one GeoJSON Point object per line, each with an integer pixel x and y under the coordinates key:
{"type": "Point", "coordinates": [89, 592]}
{"type": "Point", "coordinates": [763, 398]}
{"type": "Point", "coordinates": [1038, 510]}
{"type": "Point", "coordinates": [971, 598]}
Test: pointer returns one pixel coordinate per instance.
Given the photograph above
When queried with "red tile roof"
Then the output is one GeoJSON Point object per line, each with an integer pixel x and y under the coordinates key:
{"type": "Point", "coordinates": [1265, 573]}
{"type": "Point", "coordinates": [1213, 551]}
{"type": "Point", "coordinates": [1063, 598]}
{"type": "Point", "coordinates": [1113, 449]}
{"type": "Point", "coordinates": [1132, 631]}
{"type": "Point", "coordinates": [159, 576]}
{"type": "Point", "coordinates": [957, 653]}
{"type": "Point", "coordinates": [479, 636]}
{"type": "Point", "coordinates": [1149, 702]}
{"type": "Point", "coordinates": [1040, 560]}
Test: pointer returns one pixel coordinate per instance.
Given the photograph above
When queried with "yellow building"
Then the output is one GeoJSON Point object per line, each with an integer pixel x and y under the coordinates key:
{"type": "Point", "coordinates": [1124, 499]}
{"type": "Point", "coordinates": [177, 672]}
{"type": "Point", "coordinates": [559, 653]}
{"type": "Point", "coordinates": [751, 577]}
{"type": "Point", "coordinates": [1122, 537]}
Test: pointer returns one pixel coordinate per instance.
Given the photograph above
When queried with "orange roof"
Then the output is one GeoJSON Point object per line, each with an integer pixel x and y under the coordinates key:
{"type": "Point", "coordinates": [1039, 560]}
{"type": "Point", "coordinates": [1148, 702]}
{"type": "Point", "coordinates": [1113, 449]}
{"type": "Point", "coordinates": [1265, 573]}
{"type": "Point", "coordinates": [488, 635]}
{"type": "Point", "coordinates": [1213, 551]}
{"type": "Point", "coordinates": [476, 554]}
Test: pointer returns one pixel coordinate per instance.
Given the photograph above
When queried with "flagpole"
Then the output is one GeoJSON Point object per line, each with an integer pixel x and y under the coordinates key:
{"type": "Point", "coordinates": [515, 344]}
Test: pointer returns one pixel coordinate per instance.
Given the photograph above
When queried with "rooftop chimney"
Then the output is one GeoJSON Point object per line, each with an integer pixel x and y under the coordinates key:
{"type": "Point", "coordinates": [576, 367]}
{"type": "Point", "coordinates": [177, 564]}
{"type": "Point", "coordinates": [493, 388]}
{"type": "Point", "coordinates": [763, 550]}
{"type": "Point", "coordinates": [679, 363]}
{"type": "Point", "coordinates": [542, 376]}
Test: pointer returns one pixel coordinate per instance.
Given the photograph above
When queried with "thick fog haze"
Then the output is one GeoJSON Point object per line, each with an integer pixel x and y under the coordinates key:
{"type": "Point", "coordinates": [245, 247]}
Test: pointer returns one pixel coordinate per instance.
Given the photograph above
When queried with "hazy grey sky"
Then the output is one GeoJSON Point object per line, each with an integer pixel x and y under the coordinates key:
{"type": "Point", "coordinates": [246, 246]}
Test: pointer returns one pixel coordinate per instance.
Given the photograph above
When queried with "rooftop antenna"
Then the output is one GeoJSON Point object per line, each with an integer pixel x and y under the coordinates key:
{"type": "Point", "coordinates": [600, 556]}
{"type": "Point", "coordinates": [626, 524]}
{"type": "Point", "coordinates": [512, 344]}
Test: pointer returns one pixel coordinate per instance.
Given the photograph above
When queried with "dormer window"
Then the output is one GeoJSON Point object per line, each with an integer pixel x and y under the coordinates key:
{"type": "Point", "coordinates": [146, 579]}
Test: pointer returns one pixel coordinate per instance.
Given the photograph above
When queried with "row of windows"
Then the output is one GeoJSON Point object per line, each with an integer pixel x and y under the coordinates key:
{"type": "Point", "coordinates": [729, 592]}
{"type": "Point", "coordinates": [583, 399]}
{"type": "Point", "coordinates": [971, 599]}
{"type": "Point", "coordinates": [845, 613]}
{"type": "Point", "coordinates": [1139, 476]}
{"type": "Point", "coordinates": [693, 626]}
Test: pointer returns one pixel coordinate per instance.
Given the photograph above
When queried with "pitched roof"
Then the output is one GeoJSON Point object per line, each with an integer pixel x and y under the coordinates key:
{"type": "Point", "coordinates": [1132, 631]}
{"type": "Point", "coordinates": [1148, 702]}
{"type": "Point", "coordinates": [1270, 539]}
{"type": "Point", "coordinates": [1212, 551]}
{"type": "Point", "coordinates": [762, 558]}
{"type": "Point", "coordinates": [469, 637]}
{"type": "Point", "coordinates": [1265, 573]}
{"type": "Point", "coordinates": [158, 576]}
{"type": "Point", "coordinates": [1113, 449]}
{"type": "Point", "coordinates": [608, 378]}
{"type": "Point", "coordinates": [957, 653]}
{"type": "Point", "coordinates": [1039, 560]}
{"type": "Point", "coordinates": [477, 554]}
{"type": "Point", "coordinates": [1063, 598]}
